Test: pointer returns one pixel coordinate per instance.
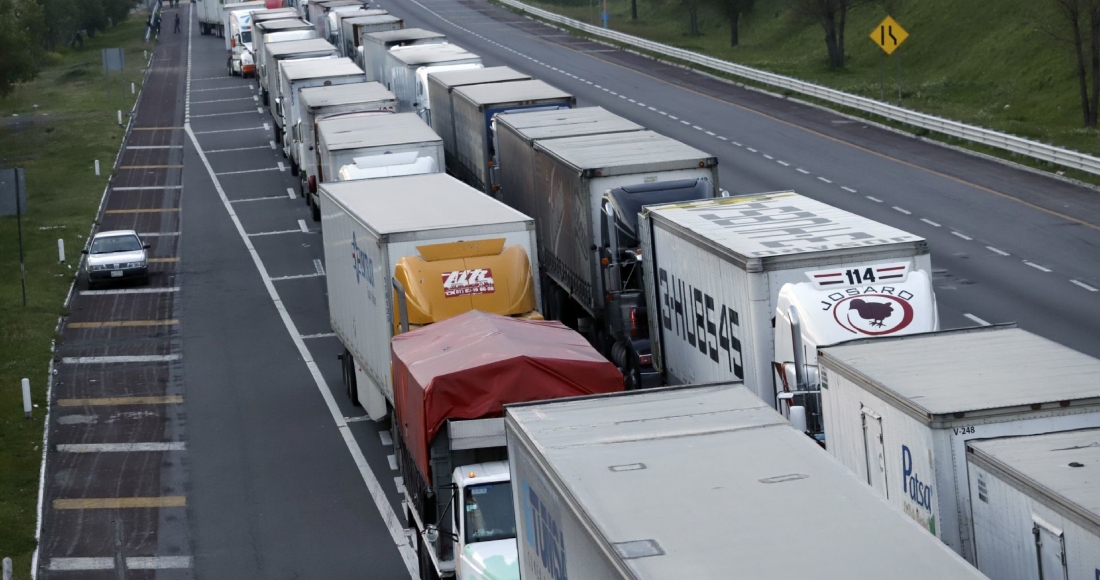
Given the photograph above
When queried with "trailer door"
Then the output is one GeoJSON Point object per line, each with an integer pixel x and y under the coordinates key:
{"type": "Point", "coordinates": [874, 451]}
{"type": "Point", "coordinates": [1050, 547]}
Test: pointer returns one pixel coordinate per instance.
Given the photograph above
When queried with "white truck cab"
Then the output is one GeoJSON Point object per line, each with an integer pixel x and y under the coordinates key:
{"type": "Point", "coordinates": [240, 44]}
{"type": "Point", "coordinates": [486, 522]}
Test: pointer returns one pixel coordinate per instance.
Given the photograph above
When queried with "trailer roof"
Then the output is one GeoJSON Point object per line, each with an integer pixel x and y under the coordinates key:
{"type": "Point", "coordinates": [372, 19]}
{"type": "Point", "coordinates": [772, 225]}
{"type": "Point", "coordinates": [345, 94]}
{"type": "Point", "coordinates": [419, 54]}
{"type": "Point", "coordinates": [510, 92]}
{"type": "Point", "coordinates": [715, 480]}
{"type": "Point", "coordinates": [295, 70]}
{"type": "Point", "coordinates": [421, 202]}
{"type": "Point", "coordinates": [403, 35]}
{"type": "Point", "coordinates": [296, 46]}
{"type": "Point", "coordinates": [957, 371]}
{"type": "Point", "coordinates": [1060, 468]}
{"type": "Point", "coordinates": [374, 131]}
{"type": "Point", "coordinates": [477, 76]}
{"type": "Point", "coordinates": [335, 3]}
{"type": "Point", "coordinates": [273, 14]}
{"type": "Point", "coordinates": [283, 24]}
{"type": "Point", "coordinates": [567, 123]}
{"type": "Point", "coordinates": [625, 153]}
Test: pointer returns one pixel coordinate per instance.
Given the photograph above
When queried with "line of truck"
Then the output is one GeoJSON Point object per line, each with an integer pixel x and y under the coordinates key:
{"type": "Point", "coordinates": [462, 205]}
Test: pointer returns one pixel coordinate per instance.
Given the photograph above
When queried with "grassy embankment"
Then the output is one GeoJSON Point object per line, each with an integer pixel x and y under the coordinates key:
{"type": "Point", "coordinates": [55, 127]}
{"type": "Point", "coordinates": [994, 66]}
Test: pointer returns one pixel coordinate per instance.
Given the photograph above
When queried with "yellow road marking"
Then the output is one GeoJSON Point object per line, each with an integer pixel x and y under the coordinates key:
{"type": "Point", "coordinates": [163, 260]}
{"type": "Point", "coordinates": [105, 401]}
{"type": "Point", "coordinates": [149, 166]}
{"type": "Point", "coordinates": [142, 210]}
{"type": "Point", "coordinates": [120, 502]}
{"type": "Point", "coordinates": [156, 128]}
{"type": "Point", "coordinates": [123, 323]}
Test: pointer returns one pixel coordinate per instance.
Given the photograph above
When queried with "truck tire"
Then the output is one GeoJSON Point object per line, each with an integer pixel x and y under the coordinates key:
{"type": "Point", "coordinates": [264, 98]}
{"type": "Point", "coordinates": [427, 571]}
{"type": "Point", "coordinates": [294, 169]}
{"type": "Point", "coordinates": [229, 67]}
{"type": "Point", "coordinates": [314, 211]}
{"type": "Point", "coordinates": [349, 378]}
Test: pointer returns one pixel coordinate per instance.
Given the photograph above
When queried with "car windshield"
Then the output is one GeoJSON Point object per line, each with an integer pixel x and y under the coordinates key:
{"type": "Point", "coordinates": [112, 244]}
{"type": "Point", "coordinates": [489, 512]}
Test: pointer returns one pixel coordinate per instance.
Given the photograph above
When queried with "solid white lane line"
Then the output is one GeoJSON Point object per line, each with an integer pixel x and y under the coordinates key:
{"type": "Point", "coordinates": [295, 277]}
{"type": "Point", "coordinates": [221, 100]}
{"type": "Point", "coordinates": [320, 335]}
{"type": "Point", "coordinates": [381, 501]}
{"type": "Point", "coordinates": [823, 179]}
{"type": "Point", "coordinates": [221, 114]}
{"type": "Point", "coordinates": [132, 563]}
{"type": "Point", "coordinates": [236, 149]}
{"type": "Point", "coordinates": [290, 193]}
{"type": "Point", "coordinates": [257, 199]}
{"type": "Point", "coordinates": [930, 222]}
{"type": "Point", "coordinates": [902, 210]}
{"type": "Point", "coordinates": [146, 188]}
{"type": "Point", "coordinates": [1037, 266]}
{"type": "Point", "coordinates": [158, 234]}
{"type": "Point", "coordinates": [1083, 285]}
{"type": "Point", "coordinates": [122, 447]}
{"type": "Point", "coordinates": [874, 199]}
{"type": "Point", "coordinates": [130, 291]}
{"type": "Point", "coordinates": [219, 89]}
{"type": "Point", "coordinates": [232, 130]}
{"type": "Point", "coordinates": [385, 437]}
{"type": "Point", "coordinates": [248, 171]}
{"type": "Point", "coordinates": [154, 146]}
{"type": "Point", "coordinates": [302, 226]}
{"type": "Point", "coordinates": [278, 233]}
{"type": "Point", "coordinates": [976, 319]}
{"type": "Point", "coordinates": [106, 360]}
{"type": "Point", "coordinates": [317, 265]}
{"type": "Point", "coordinates": [996, 251]}
{"type": "Point", "coordinates": [848, 189]}
{"type": "Point", "coordinates": [963, 236]}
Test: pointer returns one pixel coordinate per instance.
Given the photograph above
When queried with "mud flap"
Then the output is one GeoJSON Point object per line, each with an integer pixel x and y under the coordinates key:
{"type": "Point", "coordinates": [372, 399]}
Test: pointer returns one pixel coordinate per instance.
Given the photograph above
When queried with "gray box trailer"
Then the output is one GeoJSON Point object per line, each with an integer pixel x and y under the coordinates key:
{"type": "Point", "coordinates": [1037, 512]}
{"type": "Point", "coordinates": [515, 135]}
{"type": "Point", "coordinates": [317, 11]}
{"type": "Point", "coordinates": [297, 75]}
{"type": "Point", "coordinates": [210, 16]}
{"type": "Point", "coordinates": [407, 69]}
{"type": "Point", "coordinates": [277, 52]}
{"type": "Point", "coordinates": [441, 86]}
{"type": "Point", "coordinates": [272, 32]}
{"type": "Point", "coordinates": [353, 29]}
{"type": "Point", "coordinates": [703, 482]}
{"type": "Point", "coordinates": [474, 108]}
{"type": "Point", "coordinates": [375, 45]}
{"type": "Point", "coordinates": [344, 143]}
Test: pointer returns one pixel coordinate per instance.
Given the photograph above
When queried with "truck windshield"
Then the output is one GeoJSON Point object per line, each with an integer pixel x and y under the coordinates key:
{"type": "Point", "coordinates": [246, 36]}
{"type": "Point", "coordinates": [489, 512]}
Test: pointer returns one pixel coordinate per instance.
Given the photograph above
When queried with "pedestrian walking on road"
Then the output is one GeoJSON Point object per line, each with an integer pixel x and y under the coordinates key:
{"type": "Point", "coordinates": [177, 23]}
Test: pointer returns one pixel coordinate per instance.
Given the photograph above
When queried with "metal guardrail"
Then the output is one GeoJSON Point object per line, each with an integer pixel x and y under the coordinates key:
{"type": "Point", "coordinates": [1004, 141]}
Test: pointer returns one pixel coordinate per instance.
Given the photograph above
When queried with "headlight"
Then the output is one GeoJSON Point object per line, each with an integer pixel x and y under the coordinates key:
{"type": "Point", "coordinates": [98, 266]}
{"type": "Point", "coordinates": [134, 264]}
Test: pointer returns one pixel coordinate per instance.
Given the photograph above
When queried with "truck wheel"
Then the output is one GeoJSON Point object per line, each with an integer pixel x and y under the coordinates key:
{"type": "Point", "coordinates": [315, 211]}
{"type": "Point", "coordinates": [294, 168]}
{"type": "Point", "coordinates": [229, 67]}
{"type": "Point", "coordinates": [264, 98]}
{"type": "Point", "coordinates": [427, 571]}
{"type": "Point", "coordinates": [349, 378]}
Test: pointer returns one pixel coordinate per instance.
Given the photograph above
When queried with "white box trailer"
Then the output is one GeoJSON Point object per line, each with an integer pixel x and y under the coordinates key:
{"type": "Point", "coordinates": [721, 269]}
{"type": "Point", "coordinates": [899, 412]}
{"type": "Point", "coordinates": [1037, 508]}
{"type": "Point", "coordinates": [298, 75]}
{"type": "Point", "coordinates": [702, 482]}
{"type": "Point", "coordinates": [317, 12]}
{"type": "Point", "coordinates": [515, 134]}
{"type": "Point", "coordinates": [441, 86]}
{"type": "Point", "coordinates": [475, 107]}
{"type": "Point", "coordinates": [407, 69]}
{"type": "Point", "coordinates": [353, 29]}
{"type": "Point", "coordinates": [368, 226]}
{"type": "Point", "coordinates": [347, 146]}
{"type": "Point", "coordinates": [264, 33]}
{"type": "Point", "coordinates": [375, 45]}
{"type": "Point", "coordinates": [277, 52]}
{"type": "Point", "coordinates": [210, 16]}
{"type": "Point", "coordinates": [256, 14]}
{"type": "Point", "coordinates": [338, 101]}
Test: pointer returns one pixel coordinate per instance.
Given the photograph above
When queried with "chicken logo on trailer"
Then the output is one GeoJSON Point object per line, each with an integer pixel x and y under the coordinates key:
{"type": "Point", "coordinates": [467, 282]}
{"type": "Point", "coordinates": [871, 310]}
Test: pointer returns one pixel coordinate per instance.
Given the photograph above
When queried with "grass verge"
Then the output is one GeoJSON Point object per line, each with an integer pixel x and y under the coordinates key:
{"type": "Point", "coordinates": [55, 127]}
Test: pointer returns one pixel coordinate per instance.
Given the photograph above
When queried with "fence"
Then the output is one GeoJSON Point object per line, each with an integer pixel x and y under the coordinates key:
{"type": "Point", "coordinates": [996, 139]}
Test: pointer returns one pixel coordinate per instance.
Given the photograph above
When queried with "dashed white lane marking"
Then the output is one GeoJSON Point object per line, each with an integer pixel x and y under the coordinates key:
{"type": "Point", "coordinates": [697, 127]}
{"type": "Point", "coordinates": [736, 143]}
{"type": "Point", "coordinates": [271, 142]}
{"type": "Point", "coordinates": [652, 109]}
{"type": "Point", "coordinates": [257, 199]}
{"type": "Point", "coordinates": [132, 563]}
{"type": "Point", "coordinates": [393, 525]}
{"type": "Point", "coordinates": [302, 226]}
{"type": "Point", "coordinates": [823, 179]}
{"type": "Point", "coordinates": [874, 199]}
{"type": "Point", "coordinates": [106, 360]}
{"type": "Point", "coordinates": [1037, 266]}
{"type": "Point", "coordinates": [684, 122]}
{"type": "Point", "coordinates": [664, 113]}
{"type": "Point", "coordinates": [976, 319]}
{"type": "Point", "coordinates": [295, 277]}
{"type": "Point", "coordinates": [277, 233]}
{"type": "Point", "coordinates": [221, 100]}
{"type": "Point", "coordinates": [1083, 285]}
{"type": "Point", "coordinates": [802, 171]}
{"type": "Point", "coordinates": [963, 236]}
{"type": "Point", "coordinates": [769, 157]}
{"type": "Point", "coordinates": [385, 437]}
{"type": "Point", "coordinates": [265, 128]}
{"type": "Point", "coordinates": [317, 265]}
{"type": "Point", "coordinates": [259, 110]}
{"type": "Point", "coordinates": [722, 138]}
{"type": "Point", "coordinates": [281, 166]}
{"type": "Point", "coordinates": [902, 210]}
{"type": "Point", "coordinates": [996, 251]}
{"type": "Point", "coordinates": [399, 483]}
{"type": "Point", "coordinates": [236, 149]}
{"type": "Point", "coordinates": [320, 335]}
{"type": "Point", "coordinates": [248, 171]}
{"type": "Point", "coordinates": [290, 193]}
{"type": "Point", "coordinates": [674, 117]}
{"type": "Point", "coordinates": [121, 447]}
{"type": "Point", "coordinates": [930, 222]}
{"type": "Point", "coordinates": [392, 460]}
{"type": "Point", "coordinates": [751, 149]}
{"type": "Point", "coordinates": [783, 163]}
{"type": "Point", "coordinates": [146, 187]}
{"type": "Point", "coordinates": [848, 189]}
{"type": "Point", "coordinates": [115, 291]}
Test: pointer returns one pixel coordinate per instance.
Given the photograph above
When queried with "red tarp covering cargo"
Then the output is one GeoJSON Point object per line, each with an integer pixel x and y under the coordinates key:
{"type": "Point", "coordinates": [470, 366]}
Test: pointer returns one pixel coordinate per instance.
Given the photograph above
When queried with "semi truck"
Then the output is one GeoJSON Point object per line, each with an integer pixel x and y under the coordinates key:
{"type": "Point", "coordinates": [451, 382]}
{"type": "Point", "coordinates": [318, 10]}
{"type": "Point", "coordinates": [210, 16]}
{"type": "Point", "coordinates": [256, 13]}
{"type": "Point", "coordinates": [1037, 513]}
{"type": "Point", "coordinates": [473, 109]}
{"type": "Point", "coordinates": [703, 482]}
{"type": "Point", "coordinates": [404, 252]}
{"type": "Point", "coordinates": [591, 273]}
{"type": "Point", "coordinates": [353, 29]}
{"type": "Point", "coordinates": [276, 52]}
{"type": "Point", "coordinates": [297, 75]}
{"type": "Point", "coordinates": [441, 86]}
{"type": "Point", "coordinates": [899, 412]}
{"type": "Point", "coordinates": [748, 287]}
{"type": "Point", "coordinates": [239, 53]}
{"type": "Point", "coordinates": [272, 31]}
{"type": "Point", "coordinates": [407, 69]}
{"type": "Point", "coordinates": [335, 102]}
{"type": "Point", "coordinates": [368, 145]}
{"type": "Point", "coordinates": [375, 45]}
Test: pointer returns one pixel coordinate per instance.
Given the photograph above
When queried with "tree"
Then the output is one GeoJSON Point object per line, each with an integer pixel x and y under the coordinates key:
{"type": "Point", "coordinates": [19, 63]}
{"type": "Point", "coordinates": [1081, 19]}
{"type": "Point", "coordinates": [693, 16]}
{"type": "Point", "coordinates": [735, 9]}
{"type": "Point", "coordinates": [832, 15]}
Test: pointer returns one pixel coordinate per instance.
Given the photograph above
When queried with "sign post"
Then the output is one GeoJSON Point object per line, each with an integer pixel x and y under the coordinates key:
{"type": "Point", "coordinates": [13, 201]}
{"type": "Point", "coordinates": [888, 35]}
{"type": "Point", "coordinates": [114, 59]}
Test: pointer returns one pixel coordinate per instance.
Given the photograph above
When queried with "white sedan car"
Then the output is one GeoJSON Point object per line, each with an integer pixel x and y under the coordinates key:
{"type": "Point", "coordinates": [117, 255]}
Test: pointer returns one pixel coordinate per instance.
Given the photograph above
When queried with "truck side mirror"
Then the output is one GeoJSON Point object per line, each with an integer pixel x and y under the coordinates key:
{"type": "Point", "coordinates": [85, 252]}
{"type": "Point", "coordinates": [146, 246]}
